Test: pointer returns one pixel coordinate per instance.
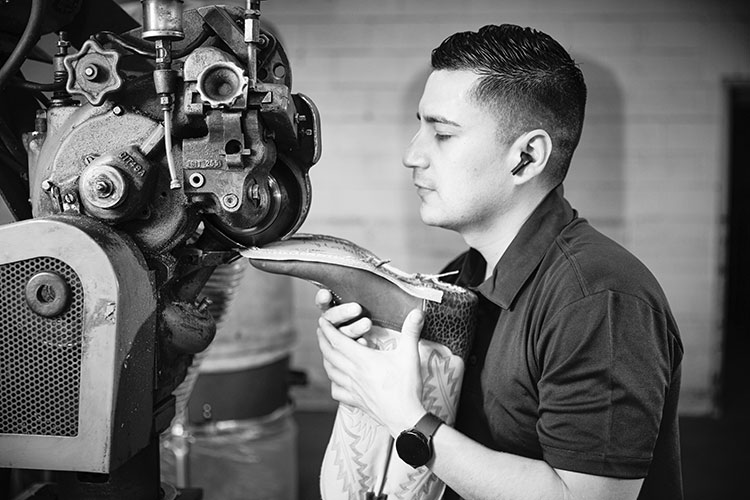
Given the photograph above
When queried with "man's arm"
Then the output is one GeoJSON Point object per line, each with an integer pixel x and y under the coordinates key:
{"type": "Point", "coordinates": [387, 385]}
{"type": "Point", "coordinates": [477, 472]}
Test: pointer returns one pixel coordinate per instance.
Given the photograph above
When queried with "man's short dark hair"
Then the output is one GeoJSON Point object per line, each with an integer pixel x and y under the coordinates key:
{"type": "Point", "coordinates": [528, 78]}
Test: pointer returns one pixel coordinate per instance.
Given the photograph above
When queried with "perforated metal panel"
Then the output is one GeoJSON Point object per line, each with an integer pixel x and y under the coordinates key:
{"type": "Point", "coordinates": [40, 357]}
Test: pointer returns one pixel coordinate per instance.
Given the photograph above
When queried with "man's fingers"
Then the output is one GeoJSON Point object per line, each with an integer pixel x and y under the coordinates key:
{"type": "Point", "coordinates": [343, 313]}
{"type": "Point", "coordinates": [341, 395]}
{"type": "Point", "coordinates": [335, 375]}
{"type": "Point", "coordinates": [333, 344]}
{"type": "Point", "coordinates": [323, 299]}
{"type": "Point", "coordinates": [338, 342]}
{"type": "Point", "coordinates": [333, 361]}
{"type": "Point", "coordinates": [327, 349]}
{"type": "Point", "coordinates": [411, 330]}
{"type": "Point", "coordinates": [329, 336]}
{"type": "Point", "coordinates": [356, 329]}
{"type": "Point", "coordinates": [413, 323]}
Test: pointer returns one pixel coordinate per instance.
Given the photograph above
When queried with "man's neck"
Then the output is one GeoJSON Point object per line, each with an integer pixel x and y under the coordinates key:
{"type": "Point", "coordinates": [492, 241]}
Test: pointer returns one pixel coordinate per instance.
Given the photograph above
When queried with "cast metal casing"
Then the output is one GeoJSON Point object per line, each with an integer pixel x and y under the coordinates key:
{"type": "Point", "coordinates": [72, 375]}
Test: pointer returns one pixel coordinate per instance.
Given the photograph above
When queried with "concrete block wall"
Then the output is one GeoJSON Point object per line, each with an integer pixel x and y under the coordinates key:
{"type": "Point", "coordinates": [650, 171]}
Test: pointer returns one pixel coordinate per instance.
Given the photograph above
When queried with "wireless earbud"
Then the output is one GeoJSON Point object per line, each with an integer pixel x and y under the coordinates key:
{"type": "Point", "coordinates": [525, 160]}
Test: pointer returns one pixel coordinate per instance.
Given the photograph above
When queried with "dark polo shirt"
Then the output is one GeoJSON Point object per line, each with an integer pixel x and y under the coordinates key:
{"type": "Point", "coordinates": [577, 356]}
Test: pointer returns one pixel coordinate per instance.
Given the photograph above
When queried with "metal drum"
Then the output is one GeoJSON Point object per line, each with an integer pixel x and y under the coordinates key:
{"type": "Point", "coordinates": [235, 437]}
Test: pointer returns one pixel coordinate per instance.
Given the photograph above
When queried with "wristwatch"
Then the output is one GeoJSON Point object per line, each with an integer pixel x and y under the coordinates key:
{"type": "Point", "coordinates": [414, 445]}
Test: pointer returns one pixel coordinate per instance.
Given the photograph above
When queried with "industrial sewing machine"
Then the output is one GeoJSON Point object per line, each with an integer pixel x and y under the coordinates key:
{"type": "Point", "coordinates": [154, 152]}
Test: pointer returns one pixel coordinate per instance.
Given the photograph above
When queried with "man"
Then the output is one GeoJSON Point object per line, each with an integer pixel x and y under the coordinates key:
{"type": "Point", "coordinates": [571, 390]}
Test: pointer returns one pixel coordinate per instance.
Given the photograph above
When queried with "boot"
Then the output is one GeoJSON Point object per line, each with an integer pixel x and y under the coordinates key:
{"type": "Point", "coordinates": [360, 461]}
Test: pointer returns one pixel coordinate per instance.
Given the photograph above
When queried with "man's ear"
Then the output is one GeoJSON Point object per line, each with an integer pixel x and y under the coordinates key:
{"type": "Point", "coordinates": [533, 150]}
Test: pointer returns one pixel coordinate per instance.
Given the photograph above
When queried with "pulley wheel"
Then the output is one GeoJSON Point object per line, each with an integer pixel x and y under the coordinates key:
{"type": "Point", "coordinates": [289, 204]}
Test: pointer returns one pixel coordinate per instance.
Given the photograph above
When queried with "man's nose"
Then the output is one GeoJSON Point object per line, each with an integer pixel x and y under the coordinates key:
{"type": "Point", "coordinates": [414, 156]}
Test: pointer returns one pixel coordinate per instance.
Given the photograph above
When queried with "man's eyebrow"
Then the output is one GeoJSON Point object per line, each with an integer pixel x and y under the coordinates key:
{"type": "Point", "coordinates": [437, 119]}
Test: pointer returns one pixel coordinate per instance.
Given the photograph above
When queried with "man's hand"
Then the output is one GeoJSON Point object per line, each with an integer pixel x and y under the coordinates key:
{"type": "Point", "coordinates": [349, 315]}
{"type": "Point", "coordinates": [385, 384]}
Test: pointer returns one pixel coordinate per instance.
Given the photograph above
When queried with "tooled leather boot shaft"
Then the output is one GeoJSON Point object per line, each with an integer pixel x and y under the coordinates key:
{"type": "Point", "coordinates": [452, 322]}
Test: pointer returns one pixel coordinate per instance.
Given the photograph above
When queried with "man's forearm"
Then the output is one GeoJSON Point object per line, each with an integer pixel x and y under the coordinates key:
{"type": "Point", "coordinates": [476, 472]}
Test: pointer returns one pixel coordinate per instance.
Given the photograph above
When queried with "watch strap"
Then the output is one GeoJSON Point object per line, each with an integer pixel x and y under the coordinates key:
{"type": "Point", "coordinates": [427, 425]}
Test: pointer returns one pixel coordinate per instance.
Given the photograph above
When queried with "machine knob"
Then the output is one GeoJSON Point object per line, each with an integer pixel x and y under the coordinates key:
{"type": "Point", "coordinates": [92, 72]}
{"type": "Point", "coordinates": [221, 84]}
{"type": "Point", "coordinates": [102, 186]}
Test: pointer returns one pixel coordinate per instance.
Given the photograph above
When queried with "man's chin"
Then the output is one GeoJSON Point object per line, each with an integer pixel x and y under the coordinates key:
{"type": "Point", "coordinates": [434, 220]}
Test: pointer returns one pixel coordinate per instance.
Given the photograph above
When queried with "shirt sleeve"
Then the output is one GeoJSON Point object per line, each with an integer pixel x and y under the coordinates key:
{"type": "Point", "coordinates": [605, 372]}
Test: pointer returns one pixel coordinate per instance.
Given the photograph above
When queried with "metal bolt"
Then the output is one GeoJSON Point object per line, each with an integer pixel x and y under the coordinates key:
{"type": "Point", "coordinates": [279, 71]}
{"type": "Point", "coordinates": [47, 294]}
{"type": "Point", "coordinates": [104, 187]}
{"type": "Point", "coordinates": [196, 180]}
{"type": "Point", "coordinates": [254, 194]}
{"type": "Point", "coordinates": [230, 201]}
{"type": "Point", "coordinates": [62, 40]}
{"type": "Point", "coordinates": [118, 111]}
{"type": "Point", "coordinates": [69, 198]}
{"type": "Point", "coordinates": [90, 72]}
{"type": "Point", "coordinates": [203, 304]}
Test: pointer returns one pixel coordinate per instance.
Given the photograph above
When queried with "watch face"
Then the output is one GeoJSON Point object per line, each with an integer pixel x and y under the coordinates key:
{"type": "Point", "coordinates": [413, 448]}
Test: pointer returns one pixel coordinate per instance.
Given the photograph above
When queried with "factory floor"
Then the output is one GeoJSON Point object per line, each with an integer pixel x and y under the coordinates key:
{"type": "Point", "coordinates": [715, 454]}
{"type": "Point", "coordinates": [715, 458]}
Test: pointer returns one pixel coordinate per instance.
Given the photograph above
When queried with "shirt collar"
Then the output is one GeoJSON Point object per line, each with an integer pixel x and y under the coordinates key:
{"type": "Point", "coordinates": [525, 251]}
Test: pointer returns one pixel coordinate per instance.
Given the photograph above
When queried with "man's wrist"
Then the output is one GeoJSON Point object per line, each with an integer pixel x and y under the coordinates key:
{"type": "Point", "coordinates": [406, 420]}
{"type": "Point", "coordinates": [414, 445]}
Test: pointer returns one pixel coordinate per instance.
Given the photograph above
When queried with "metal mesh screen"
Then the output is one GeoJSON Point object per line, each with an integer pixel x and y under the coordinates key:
{"type": "Point", "coordinates": [40, 357]}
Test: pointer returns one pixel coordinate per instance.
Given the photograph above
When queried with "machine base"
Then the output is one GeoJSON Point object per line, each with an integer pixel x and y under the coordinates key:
{"type": "Point", "coordinates": [49, 492]}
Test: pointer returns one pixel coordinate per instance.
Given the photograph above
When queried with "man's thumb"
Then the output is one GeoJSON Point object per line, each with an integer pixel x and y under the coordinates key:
{"type": "Point", "coordinates": [413, 326]}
